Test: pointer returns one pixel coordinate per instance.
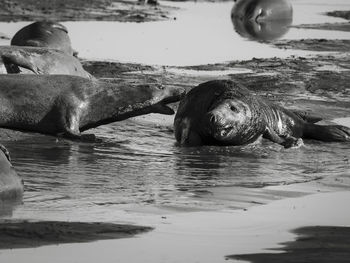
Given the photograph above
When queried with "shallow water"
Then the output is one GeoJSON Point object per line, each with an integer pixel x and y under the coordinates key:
{"type": "Point", "coordinates": [138, 167]}
{"type": "Point", "coordinates": [202, 33]}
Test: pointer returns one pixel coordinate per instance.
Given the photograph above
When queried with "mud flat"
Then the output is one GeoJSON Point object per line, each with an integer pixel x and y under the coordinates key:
{"type": "Point", "coordinates": [25, 234]}
{"type": "Point", "coordinates": [315, 44]}
{"type": "Point", "coordinates": [82, 10]}
{"type": "Point", "coordinates": [340, 13]}
{"type": "Point", "coordinates": [327, 26]}
{"type": "Point", "coordinates": [345, 26]}
{"type": "Point", "coordinates": [313, 244]}
{"type": "Point", "coordinates": [288, 81]}
{"type": "Point", "coordinates": [217, 236]}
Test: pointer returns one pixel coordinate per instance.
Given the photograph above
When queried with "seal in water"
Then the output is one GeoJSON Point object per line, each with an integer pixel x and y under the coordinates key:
{"type": "Point", "coordinates": [39, 60]}
{"type": "Point", "coordinates": [223, 112]}
{"type": "Point", "coordinates": [262, 19]}
{"type": "Point", "coordinates": [44, 34]}
{"type": "Point", "coordinates": [11, 185]}
{"type": "Point", "coordinates": [67, 105]}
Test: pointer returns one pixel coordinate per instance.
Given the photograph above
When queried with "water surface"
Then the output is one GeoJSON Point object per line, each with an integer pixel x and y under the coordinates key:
{"type": "Point", "coordinates": [138, 167]}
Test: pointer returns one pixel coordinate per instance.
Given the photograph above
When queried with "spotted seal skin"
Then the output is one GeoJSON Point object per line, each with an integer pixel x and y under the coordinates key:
{"type": "Point", "coordinates": [11, 185]}
{"type": "Point", "coordinates": [64, 105]}
{"type": "Point", "coordinates": [262, 20]}
{"type": "Point", "coordinates": [39, 60]}
{"type": "Point", "coordinates": [44, 34]}
{"type": "Point", "coordinates": [223, 112]}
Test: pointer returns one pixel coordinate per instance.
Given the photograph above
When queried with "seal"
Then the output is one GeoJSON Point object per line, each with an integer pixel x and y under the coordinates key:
{"type": "Point", "coordinates": [11, 185]}
{"type": "Point", "coordinates": [44, 34]}
{"type": "Point", "coordinates": [63, 105]}
{"type": "Point", "coordinates": [40, 60]}
{"type": "Point", "coordinates": [262, 10]}
{"type": "Point", "coordinates": [262, 20]}
{"type": "Point", "coordinates": [223, 112]}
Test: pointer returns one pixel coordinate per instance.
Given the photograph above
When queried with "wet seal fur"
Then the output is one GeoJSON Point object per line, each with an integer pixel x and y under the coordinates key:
{"type": "Point", "coordinates": [11, 185]}
{"type": "Point", "coordinates": [67, 105]}
{"type": "Point", "coordinates": [223, 112]}
{"type": "Point", "coordinates": [39, 60]}
{"type": "Point", "coordinates": [44, 34]}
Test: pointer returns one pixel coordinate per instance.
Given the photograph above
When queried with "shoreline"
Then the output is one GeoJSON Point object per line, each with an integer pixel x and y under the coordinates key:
{"type": "Point", "coordinates": [206, 236]}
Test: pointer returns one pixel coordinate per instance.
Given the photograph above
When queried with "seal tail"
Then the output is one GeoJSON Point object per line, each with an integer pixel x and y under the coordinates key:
{"type": "Point", "coordinates": [306, 116]}
{"type": "Point", "coordinates": [327, 133]}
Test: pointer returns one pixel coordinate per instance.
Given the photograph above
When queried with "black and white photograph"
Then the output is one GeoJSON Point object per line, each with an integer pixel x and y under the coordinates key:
{"type": "Point", "coordinates": [174, 131]}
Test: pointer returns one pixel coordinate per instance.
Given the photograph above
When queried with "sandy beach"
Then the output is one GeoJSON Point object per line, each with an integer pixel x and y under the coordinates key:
{"type": "Point", "coordinates": [152, 201]}
{"type": "Point", "coordinates": [256, 234]}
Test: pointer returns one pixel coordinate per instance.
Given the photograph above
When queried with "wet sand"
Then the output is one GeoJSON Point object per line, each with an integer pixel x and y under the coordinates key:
{"type": "Point", "coordinates": [313, 244]}
{"type": "Point", "coordinates": [345, 26]}
{"type": "Point", "coordinates": [82, 10]}
{"type": "Point", "coordinates": [214, 236]}
{"type": "Point", "coordinates": [327, 26]}
{"type": "Point", "coordinates": [28, 234]}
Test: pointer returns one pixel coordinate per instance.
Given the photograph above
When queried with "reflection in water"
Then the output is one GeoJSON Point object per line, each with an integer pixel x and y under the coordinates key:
{"type": "Point", "coordinates": [261, 30]}
{"type": "Point", "coordinates": [262, 20]}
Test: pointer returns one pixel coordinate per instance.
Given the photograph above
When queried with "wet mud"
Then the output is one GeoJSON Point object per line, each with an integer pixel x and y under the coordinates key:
{"type": "Point", "coordinates": [340, 13]}
{"type": "Point", "coordinates": [82, 10]}
{"type": "Point", "coordinates": [327, 26]}
{"type": "Point", "coordinates": [345, 26]}
{"type": "Point", "coordinates": [282, 80]}
{"type": "Point", "coordinates": [315, 44]}
{"type": "Point", "coordinates": [313, 244]}
{"type": "Point", "coordinates": [25, 234]}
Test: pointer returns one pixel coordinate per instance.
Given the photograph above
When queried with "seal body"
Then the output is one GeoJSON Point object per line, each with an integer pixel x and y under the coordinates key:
{"type": "Point", "coordinates": [262, 10]}
{"type": "Point", "coordinates": [44, 34]}
{"type": "Point", "coordinates": [67, 105]}
{"type": "Point", "coordinates": [223, 112]}
{"type": "Point", "coordinates": [11, 185]}
{"type": "Point", "coordinates": [39, 60]}
{"type": "Point", "coordinates": [262, 20]}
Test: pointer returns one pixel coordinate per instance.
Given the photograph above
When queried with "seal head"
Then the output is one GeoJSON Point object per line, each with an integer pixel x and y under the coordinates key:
{"type": "Point", "coordinates": [44, 34]}
{"type": "Point", "coordinates": [262, 19]}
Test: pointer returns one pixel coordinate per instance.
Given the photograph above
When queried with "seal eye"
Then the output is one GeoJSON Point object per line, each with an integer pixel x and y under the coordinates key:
{"type": "Point", "coordinates": [233, 108]}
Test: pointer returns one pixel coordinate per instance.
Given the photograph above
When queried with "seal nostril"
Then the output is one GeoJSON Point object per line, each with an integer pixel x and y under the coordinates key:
{"type": "Point", "coordinates": [212, 119]}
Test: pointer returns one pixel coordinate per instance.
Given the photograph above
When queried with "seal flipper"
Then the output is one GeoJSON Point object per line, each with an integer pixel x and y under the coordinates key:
{"type": "Point", "coordinates": [162, 109]}
{"type": "Point", "coordinates": [161, 106]}
{"type": "Point", "coordinates": [13, 62]}
{"type": "Point", "coordinates": [306, 116]}
{"type": "Point", "coordinates": [185, 135]}
{"type": "Point", "coordinates": [286, 141]}
{"type": "Point", "coordinates": [327, 133]}
{"type": "Point", "coordinates": [6, 152]}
